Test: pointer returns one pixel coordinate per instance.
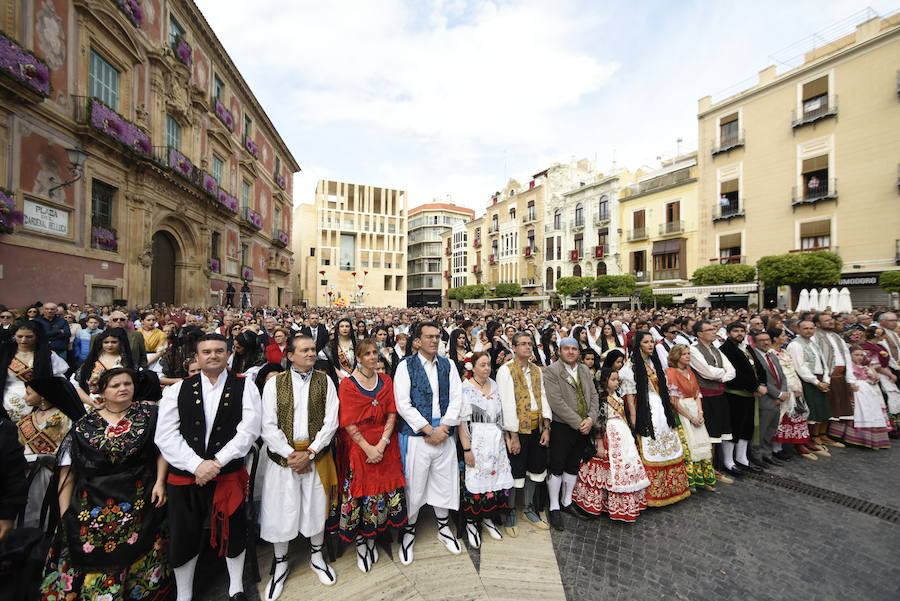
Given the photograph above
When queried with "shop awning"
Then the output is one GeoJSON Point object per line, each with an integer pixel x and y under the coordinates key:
{"type": "Point", "coordinates": [718, 289]}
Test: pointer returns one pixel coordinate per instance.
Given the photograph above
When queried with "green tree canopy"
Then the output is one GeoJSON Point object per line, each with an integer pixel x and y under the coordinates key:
{"type": "Point", "coordinates": [614, 285]}
{"type": "Point", "coordinates": [723, 274]}
{"type": "Point", "coordinates": [507, 289]}
{"type": "Point", "coordinates": [571, 285]}
{"type": "Point", "coordinates": [890, 281]}
{"type": "Point", "coordinates": [648, 298]}
{"type": "Point", "coordinates": [820, 267]}
{"type": "Point", "coordinates": [465, 292]}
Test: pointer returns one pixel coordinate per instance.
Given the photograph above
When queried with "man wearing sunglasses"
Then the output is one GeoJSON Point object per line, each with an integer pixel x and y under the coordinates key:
{"type": "Point", "coordinates": [118, 319]}
{"type": "Point", "coordinates": [6, 321]}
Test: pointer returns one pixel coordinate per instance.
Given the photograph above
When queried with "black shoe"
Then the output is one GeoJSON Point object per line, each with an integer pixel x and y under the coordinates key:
{"type": "Point", "coordinates": [241, 596]}
{"type": "Point", "coordinates": [733, 472]}
{"type": "Point", "coordinates": [571, 510]}
{"type": "Point", "coordinates": [556, 520]}
{"type": "Point", "coordinates": [783, 455]}
{"type": "Point", "coordinates": [774, 461]}
{"type": "Point", "coordinates": [759, 462]}
{"type": "Point", "coordinates": [750, 468]}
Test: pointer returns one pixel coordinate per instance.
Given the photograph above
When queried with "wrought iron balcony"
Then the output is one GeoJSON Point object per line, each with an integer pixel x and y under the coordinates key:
{"type": "Point", "coordinates": [727, 144]}
{"type": "Point", "coordinates": [814, 110]}
{"type": "Point", "coordinates": [530, 282]}
{"type": "Point", "coordinates": [815, 190]}
{"type": "Point", "coordinates": [730, 260]}
{"type": "Point", "coordinates": [602, 218]}
{"type": "Point", "coordinates": [638, 233]}
{"type": "Point", "coordinates": [671, 227]}
{"type": "Point", "coordinates": [727, 211]}
{"type": "Point", "coordinates": [641, 276]}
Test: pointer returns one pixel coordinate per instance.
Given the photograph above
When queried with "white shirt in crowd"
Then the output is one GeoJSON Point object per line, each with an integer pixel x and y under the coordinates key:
{"type": "Point", "coordinates": [405, 407]}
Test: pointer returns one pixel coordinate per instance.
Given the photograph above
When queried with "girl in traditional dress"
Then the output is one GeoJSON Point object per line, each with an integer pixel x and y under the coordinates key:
{"type": "Point", "coordinates": [109, 349]}
{"type": "Point", "coordinates": [879, 357]}
{"type": "Point", "coordinates": [643, 382]}
{"type": "Point", "coordinates": [608, 338]}
{"type": "Point", "coordinates": [793, 428]}
{"type": "Point", "coordinates": [498, 349]}
{"type": "Point", "coordinates": [684, 392]}
{"type": "Point", "coordinates": [614, 480]}
{"type": "Point", "coordinates": [27, 358]}
{"type": "Point", "coordinates": [385, 348]}
{"type": "Point", "coordinates": [485, 470]}
{"type": "Point", "coordinates": [870, 424]}
{"type": "Point", "coordinates": [457, 349]}
{"type": "Point", "coordinates": [372, 495]}
{"type": "Point", "coordinates": [546, 350]}
{"type": "Point", "coordinates": [110, 541]}
{"type": "Point", "coordinates": [340, 350]}
{"type": "Point", "coordinates": [56, 405]}
{"type": "Point", "coordinates": [401, 345]}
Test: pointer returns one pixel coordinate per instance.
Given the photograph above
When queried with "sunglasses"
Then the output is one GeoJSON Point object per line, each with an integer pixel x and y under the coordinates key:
{"type": "Point", "coordinates": [6, 316]}
{"type": "Point", "coordinates": [117, 319]}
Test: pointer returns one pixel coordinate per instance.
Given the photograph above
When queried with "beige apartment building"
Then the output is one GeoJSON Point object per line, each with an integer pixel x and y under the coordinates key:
{"type": "Point", "coordinates": [145, 167]}
{"type": "Point", "coordinates": [427, 223]}
{"type": "Point", "coordinates": [808, 160]}
{"type": "Point", "coordinates": [350, 246]}
{"type": "Point", "coordinates": [659, 223]}
{"type": "Point", "coordinates": [464, 258]}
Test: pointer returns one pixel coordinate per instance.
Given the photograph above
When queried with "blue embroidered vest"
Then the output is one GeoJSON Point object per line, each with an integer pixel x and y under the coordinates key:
{"type": "Point", "coordinates": [420, 392]}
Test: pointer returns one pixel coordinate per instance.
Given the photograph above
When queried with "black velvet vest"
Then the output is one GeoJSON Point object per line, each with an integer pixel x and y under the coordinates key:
{"type": "Point", "coordinates": [193, 420]}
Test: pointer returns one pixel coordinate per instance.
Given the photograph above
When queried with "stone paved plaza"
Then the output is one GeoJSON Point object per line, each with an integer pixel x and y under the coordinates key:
{"type": "Point", "coordinates": [753, 540]}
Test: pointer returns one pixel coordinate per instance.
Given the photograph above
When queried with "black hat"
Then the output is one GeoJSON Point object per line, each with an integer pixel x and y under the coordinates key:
{"type": "Point", "coordinates": [61, 394]}
{"type": "Point", "coordinates": [146, 386]}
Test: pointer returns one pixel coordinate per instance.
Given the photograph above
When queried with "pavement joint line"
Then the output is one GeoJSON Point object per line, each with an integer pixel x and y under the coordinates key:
{"type": "Point", "coordinates": [883, 512]}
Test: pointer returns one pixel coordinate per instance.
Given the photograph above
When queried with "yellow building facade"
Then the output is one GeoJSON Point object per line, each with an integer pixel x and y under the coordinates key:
{"type": "Point", "coordinates": [808, 160]}
{"type": "Point", "coordinates": [186, 186]}
{"type": "Point", "coordinates": [351, 246]}
{"type": "Point", "coordinates": [658, 217]}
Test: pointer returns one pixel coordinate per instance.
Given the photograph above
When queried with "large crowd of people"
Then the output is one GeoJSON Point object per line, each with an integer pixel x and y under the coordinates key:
{"type": "Point", "coordinates": [125, 435]}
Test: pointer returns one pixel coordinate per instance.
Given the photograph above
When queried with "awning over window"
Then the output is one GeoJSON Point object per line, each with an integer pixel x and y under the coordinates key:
{"type": "Point", "coordinates": [665, 247]}
{"type": "Point", "coordinates": [718, 289]}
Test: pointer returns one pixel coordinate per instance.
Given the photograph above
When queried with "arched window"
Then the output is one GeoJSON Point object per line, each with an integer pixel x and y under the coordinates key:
{"type": "Point", "coordinates": [579, 214]}
{"type": "Point", "coordinates": [577, 271]}
{"type": "Point", "coordinates": [603, 208]}
{"type": "Point", "coordinates": [558, 272]}
{"type": "Point", "coordinates": [601, 268]}
{"type": "Point", "coordinates": [557, 220]}
{"type": "Point", "coordinates": [549, 278]}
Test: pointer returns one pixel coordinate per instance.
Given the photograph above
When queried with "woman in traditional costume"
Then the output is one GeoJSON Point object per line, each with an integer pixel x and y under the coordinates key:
{"type": "Point", "coordinates": [247, 357]}
{"type": "Point", "coordinates": [614, 479]}
{"type": "Point", "coordinates": [793, 428]}
{"type": "Point", "coordinates": [372, 495]}
{"type": "Point", "coordinates": [109, 349]}
{"type": "Point", "coordinates": [485, 470]}
{"type": "Point", "coordinates": [870, 424]}
{"type": "Point", "coordinates": [29, 357]}
{"type": "Point", "coordinates": [340, 351]}
{"type": "Point", "coordinates": [643, 382]}
{"type": "Point", "coordinates": [684, 392]}
{"type": "Point", "coordinates": [110, 541]}
{"type": "Point", "coordinates": [879, 358]}
{"type": "Point", "coordinates": [386, 348]}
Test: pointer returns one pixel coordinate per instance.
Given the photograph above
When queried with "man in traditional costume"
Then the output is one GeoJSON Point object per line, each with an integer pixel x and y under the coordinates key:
{"type": "Point", "coordinates": [574, 404]}
{"type": "Point", "coordinates": [427, 390]}
{"type": "Point", "coordinates": [842, 382]}
{"type": "Point", "coordinates": [815, 376]}
{"type": "Point", "coordinates": [207, 424]}
{"type": "Point", "coordinates": [299, 419]}
{"type": "Point", "coordinates": [526, 418]}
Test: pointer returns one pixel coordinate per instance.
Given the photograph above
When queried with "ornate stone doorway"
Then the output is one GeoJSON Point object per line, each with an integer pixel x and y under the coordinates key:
{"type": "Point", "coordinates": [162, 272]}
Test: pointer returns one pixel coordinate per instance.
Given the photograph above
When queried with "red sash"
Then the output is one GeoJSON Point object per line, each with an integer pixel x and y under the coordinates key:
{"type": "Point", "coordinates": [231, 490]}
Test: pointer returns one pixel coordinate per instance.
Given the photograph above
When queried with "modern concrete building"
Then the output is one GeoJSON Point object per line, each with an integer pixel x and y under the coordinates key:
{"type": "Point", "coordinates": [351, 246]}
{"type": "Point", "coordinates": [808, 159]}
{"type": "Point", "coordinates": [185, 185]}
{"type": "Point", "coordinates": [658, 216]}
{"type": "Point", "coordinates": [424, 258]}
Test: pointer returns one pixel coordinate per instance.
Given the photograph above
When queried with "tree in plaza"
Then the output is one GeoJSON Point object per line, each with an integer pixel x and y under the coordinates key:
{"type": "Point", "coordinates": [571, 285]}
{"type": "Point", "coordinates": [890, 281]}
{"type": "Point", "coordinates": [808, 268]}
{"type": "Point", "coordinates": [648, 299]}
{"type": "Point", "coordinates": [723, 274]}
{"type": "Point", "coordinates": [466, 292]}
{"type": "Point", "coordinates": [507, 289]}
{"type": "Point", "coordinates": [614, 285]}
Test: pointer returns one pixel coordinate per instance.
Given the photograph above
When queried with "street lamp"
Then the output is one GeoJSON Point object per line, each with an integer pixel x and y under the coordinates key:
{"type": "Point", "coordinates": [77, 158]}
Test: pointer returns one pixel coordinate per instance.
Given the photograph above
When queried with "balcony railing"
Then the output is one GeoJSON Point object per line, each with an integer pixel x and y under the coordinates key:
{"type": "Point", "coordinates": [727, 144]}
{"type": "Point", "coordinates": [530, 282]}
{"type": "Point", "coordinates": [251, 147]}
{"type": "Point", "coordinates": [667, 274]}
{"type": "Point", "coordinates": [815, 190]}
{"type": "Point", "coordinates": [529, 217]}
{"type": "Point", "coordinates": [671, 227]}
{"type": "Point", "coordinates": [555, 227]}
{"type": "Point", "coordinates": [578, 225]}
{"type": "Point", "coordinates": [641, 276]}
{"type": "Point", "coordinates": [728, 211]}
{"type": "Point", "coordinates": [812, 249]}
{"type": "Point", "coordinates": [638, 233]}
{"type": "Point", "coordinates": [730, 260]}
{"type": "Point", "coordinates": [601, 218]}
{"type": "Point", "coordinates": [815, 109]}
{"type": "Point", "coordinates": [280, 238]}
{"type": "Point", "coordinates": [223, 114]}
{"type": "Point", "coordinates": [27, 72]}
{"type": "Point", "coordinates": [493, 229]}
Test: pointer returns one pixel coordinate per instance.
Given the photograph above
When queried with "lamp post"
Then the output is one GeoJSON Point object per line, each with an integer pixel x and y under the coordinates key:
{"type": "Point", "coordinates": [77, 158]}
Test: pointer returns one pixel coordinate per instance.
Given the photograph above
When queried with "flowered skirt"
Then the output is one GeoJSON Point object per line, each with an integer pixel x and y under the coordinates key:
{"type": "Point", "coordinates": [366, 516]}
{"type": "Point", "coordinates": [476, 506]}
{"type": "Point", "coordinates": [149, 578]}
{"type": "Point", "coordinates": [592, 495]}
{"type": "Point", "coordinates": [792, 430]}
{"type": "Point", "coordinates": [699, 473]}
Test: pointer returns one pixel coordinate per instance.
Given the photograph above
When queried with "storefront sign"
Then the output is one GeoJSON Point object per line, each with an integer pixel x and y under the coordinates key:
{"type": "Point", "coordinates": [46, 219]}
{"type": "Point", "coordinates": [859, 280]}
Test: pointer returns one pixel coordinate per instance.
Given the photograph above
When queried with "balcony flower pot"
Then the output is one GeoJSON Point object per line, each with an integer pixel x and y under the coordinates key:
{"type": "Point", "coordinates": [132, 10]}
{"type": "Point", "coordinates": [251, 147]}
{"type": "Point", "coordinates": [246, 273]}
{"type": "Point", "coordinates": [210, 185]}
{"type": "Point", "coordinates": [120, 129]}
{"type": "Point", "coordinates": [279, 179]}
{"type": "Point", "coordinates": [180, 164]}
{"type": "Point", "coordinates": [215, 266]}
{"type": "Point", "coordinates": [23, 66]}
{"type": "Point", "coordinates": [224, 115]}
{"type": "Point", "coordinates": [9, 216]}
{"type": "Point", "coordinates": [183, 51]}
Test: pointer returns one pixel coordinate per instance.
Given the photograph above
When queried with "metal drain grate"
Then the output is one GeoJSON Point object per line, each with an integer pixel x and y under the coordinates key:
{"type": "Point", "coordinates": [883, 512]}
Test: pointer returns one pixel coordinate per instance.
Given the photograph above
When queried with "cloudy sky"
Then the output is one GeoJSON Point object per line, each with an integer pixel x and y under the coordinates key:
{"type": "Point", "coordinates": [448, 98]}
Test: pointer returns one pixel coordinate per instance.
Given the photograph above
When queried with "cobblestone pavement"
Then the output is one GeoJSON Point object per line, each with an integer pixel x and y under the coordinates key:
{"type": "Point", "coordinates": [749, 541]}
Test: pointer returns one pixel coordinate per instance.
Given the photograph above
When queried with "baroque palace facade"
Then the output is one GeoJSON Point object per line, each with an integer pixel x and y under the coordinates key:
{"type": "Point", "coordinates": [186, 185]}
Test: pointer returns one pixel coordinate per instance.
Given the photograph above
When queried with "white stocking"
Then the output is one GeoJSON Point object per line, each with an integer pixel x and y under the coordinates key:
{"type": "Point", "coordinates": [741, 454]}
{"type": "Point", "coordinates": [569, 481]}
{"type": "Point", "coordinates": [776, 447]}
{"type": "Point", "coordinates": [184, 579]}
{"type": "Point", "coordinates": [235, 567]}
{"type": "Point", "coordinates": [554, 484]}
{"type": "Point", "coordinates": [727, 448]}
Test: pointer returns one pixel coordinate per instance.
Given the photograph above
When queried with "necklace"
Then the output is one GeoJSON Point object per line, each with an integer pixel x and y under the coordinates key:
{"type": "Point", "coordinates": [480, 383]}
{"type": "Point", "coordinates": [111, 412]}
{"type": "Point", "coordinates": [365, 375]}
